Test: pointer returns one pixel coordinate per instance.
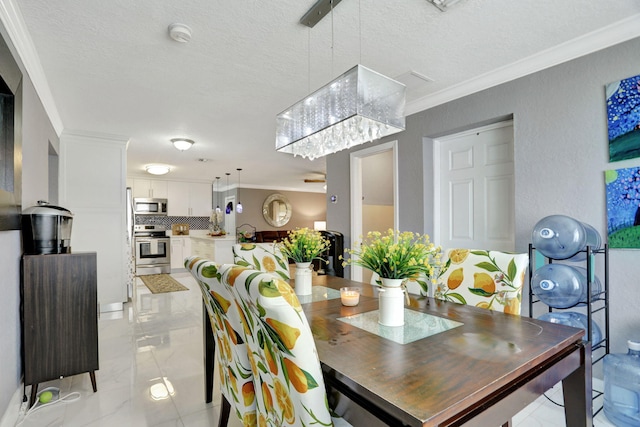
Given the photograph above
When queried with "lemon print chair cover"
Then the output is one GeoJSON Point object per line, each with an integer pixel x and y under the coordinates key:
{"type": "Point", "coordinates": [264, 257]}
{"type": "Point", "coordinates": [486, 279]}
{"type": "Point", "coordinates": [234, 369]}
{"type": "Point", "coordinates": [288, 380]}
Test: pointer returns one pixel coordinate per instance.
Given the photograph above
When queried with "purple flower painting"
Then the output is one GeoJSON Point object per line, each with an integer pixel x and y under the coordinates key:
{"type": "Point", "coordinates": [623, 118]}
{"type": "Point", "coordinates": [623, 207]}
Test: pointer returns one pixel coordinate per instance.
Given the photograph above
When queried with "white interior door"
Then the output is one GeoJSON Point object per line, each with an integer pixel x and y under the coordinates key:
{"type": "Point", "coordinates": [359, 209]}
{"type": "Point", "coordinates": [475, 188]}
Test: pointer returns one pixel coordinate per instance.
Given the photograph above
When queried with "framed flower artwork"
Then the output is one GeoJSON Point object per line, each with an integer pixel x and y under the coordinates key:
{"type": "Point", "coordinates": [623, 207]}
{"type": "Point", "coordinates": [623, 118]}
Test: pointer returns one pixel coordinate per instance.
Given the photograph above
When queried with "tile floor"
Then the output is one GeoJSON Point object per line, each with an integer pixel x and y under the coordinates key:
{"type": "Point", "coordinates": [156, 343]}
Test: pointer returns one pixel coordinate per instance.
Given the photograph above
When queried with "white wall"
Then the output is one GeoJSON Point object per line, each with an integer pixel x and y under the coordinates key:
{"type": "Point", "coordinates": [377, 180]}
{"type": "Point", "coordinates": [375, 218]}
{"type": "Point", "coordinates": [561, 153]}
{"type": "Point", "coordinates": [92, 185]}
{"type": "Point", "coordinates": [37, 132]}
{"type": "Point", "coordinates": [9, 316]}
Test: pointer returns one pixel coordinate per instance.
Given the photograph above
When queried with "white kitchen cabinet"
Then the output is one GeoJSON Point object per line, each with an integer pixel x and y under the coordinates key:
{"type": "Point", "coordinates": [180, 249]}
{"type": "Point", "coordinates": [150, 188]}
{"type": "Point", "coordinates": [200, 194]}
{"type": "Point", "coordinates": [189, 198]}
{"type": "Point", "coordinates": [178, 200]}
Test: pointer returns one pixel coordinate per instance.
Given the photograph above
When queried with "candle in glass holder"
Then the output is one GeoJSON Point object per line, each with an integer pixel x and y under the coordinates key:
{"type": "Point", "coordinates": [350, 296]}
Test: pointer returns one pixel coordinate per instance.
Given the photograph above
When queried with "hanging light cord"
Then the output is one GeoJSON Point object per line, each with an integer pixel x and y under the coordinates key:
{"type": "Point", "coordinates": [309, 59]}
{"type": "Point", "coordinates": [239, 184]}
{"type": "Point", "coordinates": [360, 28]}
{"type": "Point", "coordinates": [332, 45]}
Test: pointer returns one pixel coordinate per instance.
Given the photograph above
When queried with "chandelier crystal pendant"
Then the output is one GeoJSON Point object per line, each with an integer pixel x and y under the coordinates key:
{"type": "Point", "coordinates": [359, 106]}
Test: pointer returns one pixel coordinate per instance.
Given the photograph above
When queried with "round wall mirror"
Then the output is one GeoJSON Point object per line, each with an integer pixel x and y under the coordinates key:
{"type": "Point", "coordinates": [276, 210]}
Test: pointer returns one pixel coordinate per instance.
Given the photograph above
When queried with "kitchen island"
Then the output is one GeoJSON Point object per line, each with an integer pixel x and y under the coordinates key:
{"type": "Point", "coordinates": [214, 248]}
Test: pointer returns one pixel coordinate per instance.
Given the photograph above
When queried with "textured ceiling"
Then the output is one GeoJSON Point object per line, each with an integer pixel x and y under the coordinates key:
{"type": "Point", "coordinates": [112, 68]}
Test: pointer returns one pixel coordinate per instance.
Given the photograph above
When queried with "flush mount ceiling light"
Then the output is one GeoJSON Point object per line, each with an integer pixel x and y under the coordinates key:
{"type": "Point", "coordinates": [182, 144]}
{"type": "Point", "coordinates": [180, 32]}
{"type": "Point", "coordinates": [157, 169]}
{"type": "Point", "coordinates": [359, 106]}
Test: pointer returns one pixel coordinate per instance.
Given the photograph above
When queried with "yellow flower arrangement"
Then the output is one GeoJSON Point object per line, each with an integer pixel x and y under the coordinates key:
{"type": "Point", "coordinates": [304, 245]}
{"type": "Point", "coordinates": [396, 255]}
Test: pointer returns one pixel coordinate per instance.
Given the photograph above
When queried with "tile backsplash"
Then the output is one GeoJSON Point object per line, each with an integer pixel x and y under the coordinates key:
{"type": "Point", "coordinates": [195, 222]}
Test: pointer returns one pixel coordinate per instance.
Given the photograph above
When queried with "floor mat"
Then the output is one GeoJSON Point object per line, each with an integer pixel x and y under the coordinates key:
{"type": "Point", "coordinates": [161, 283]}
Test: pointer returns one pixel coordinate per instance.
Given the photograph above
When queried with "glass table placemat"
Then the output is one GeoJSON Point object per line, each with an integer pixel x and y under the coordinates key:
{"type": "Point", "coordinates": [416, 326]}
{"type": "Point", "coordinates": [319, 293]}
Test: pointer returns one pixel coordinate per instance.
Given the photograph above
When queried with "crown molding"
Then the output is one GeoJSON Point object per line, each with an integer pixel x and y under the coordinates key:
{"type": "Point", "coordinates": [98, 136]}
{"type": "Point", "coordinates": [621, 31]}
{"type": "Point", "coordinates": [21, 39]}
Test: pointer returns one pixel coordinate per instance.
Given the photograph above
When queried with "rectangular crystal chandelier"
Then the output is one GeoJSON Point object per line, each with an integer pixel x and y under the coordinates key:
{"type": "Point", "coordinates": [359, 106]}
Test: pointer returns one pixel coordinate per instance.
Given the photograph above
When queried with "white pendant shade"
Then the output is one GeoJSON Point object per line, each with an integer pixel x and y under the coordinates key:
{"type": "Point", "coordinates": [359, 106]}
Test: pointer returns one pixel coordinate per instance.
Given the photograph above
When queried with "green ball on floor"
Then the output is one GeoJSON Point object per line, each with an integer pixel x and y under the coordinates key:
{"type": "Point", "coordinates": [45, 397]}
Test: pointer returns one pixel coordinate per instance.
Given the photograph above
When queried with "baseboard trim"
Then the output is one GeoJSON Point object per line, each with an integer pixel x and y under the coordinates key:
{"type": "Point", "coordinates": [105, 308]}
{"type": "Point", "coordinates": [10, 416]}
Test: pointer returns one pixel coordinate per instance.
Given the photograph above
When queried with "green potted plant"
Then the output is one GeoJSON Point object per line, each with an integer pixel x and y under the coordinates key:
{"type": "Point", "coordinates": [303, 245]}
{"type": "Point", "coordinates": [395, 256]}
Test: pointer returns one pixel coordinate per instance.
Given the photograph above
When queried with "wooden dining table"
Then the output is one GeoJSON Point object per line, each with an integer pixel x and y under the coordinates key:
{"type": "Point", "coordinates": [480, 373]}
{"type": "Point", "coordinates": [482, 370]}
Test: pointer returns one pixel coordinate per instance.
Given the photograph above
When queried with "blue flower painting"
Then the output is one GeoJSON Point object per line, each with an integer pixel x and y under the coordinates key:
{"type": "Point", "coordinates": [623, 118]}
{"type": "Point", "coordinates": [623, 207]}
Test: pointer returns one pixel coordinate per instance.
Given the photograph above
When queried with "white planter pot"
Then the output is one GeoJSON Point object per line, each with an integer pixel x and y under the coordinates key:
{"type": "Point", "coordinates": [303, 278]}
{"type": "Point", "coordinates": [391, 303]}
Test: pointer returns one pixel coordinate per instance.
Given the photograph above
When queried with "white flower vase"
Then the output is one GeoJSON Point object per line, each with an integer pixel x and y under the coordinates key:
{"type": "Point", "coordinates": [391, 302]}
{"type": "Point", "coordinates": [303, 278]}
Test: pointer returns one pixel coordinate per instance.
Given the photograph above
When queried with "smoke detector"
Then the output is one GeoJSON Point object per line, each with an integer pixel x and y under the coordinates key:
{"type": "Point", "coordinates": [180, 32]}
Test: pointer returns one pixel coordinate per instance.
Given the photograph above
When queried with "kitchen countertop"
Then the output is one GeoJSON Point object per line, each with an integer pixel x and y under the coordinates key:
{"type": "Point", "coordinates": [202, 234]}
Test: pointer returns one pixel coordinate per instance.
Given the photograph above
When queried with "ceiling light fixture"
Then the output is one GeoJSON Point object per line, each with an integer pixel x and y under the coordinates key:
{"type": "Point", "coordinates": [157, 169]}
{"type": "Point", "coordinates": [218, 195]}
{"type": "Point", "coordinates": [180, 32]}
{"type": "Point", "coordinates": [229, 207]}
{"type": "Point", "coordinates": [443, 5]}
{"type": "Point", "coordinates": [319, 10]}
{"type": "Point", "coordinates": [182, 144]}
{"type": "Point", "coordinates": [239, 204]}
{"type": "Point", "coordinates": [359, 106]}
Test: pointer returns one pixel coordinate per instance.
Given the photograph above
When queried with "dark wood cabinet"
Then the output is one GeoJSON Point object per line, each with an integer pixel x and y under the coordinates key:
{"type": "Point", "coordinates": [59, 317]}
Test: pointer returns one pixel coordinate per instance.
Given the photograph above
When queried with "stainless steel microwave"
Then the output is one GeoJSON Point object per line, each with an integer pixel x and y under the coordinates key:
{"type": "Point", "coordinates": [142, 206]}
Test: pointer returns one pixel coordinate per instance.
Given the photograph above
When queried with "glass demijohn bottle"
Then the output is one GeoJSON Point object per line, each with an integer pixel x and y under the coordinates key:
{"type": "Point", "coordinates": [622, 386]}
{"type": "Point", "coordinates": [563, 286]}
